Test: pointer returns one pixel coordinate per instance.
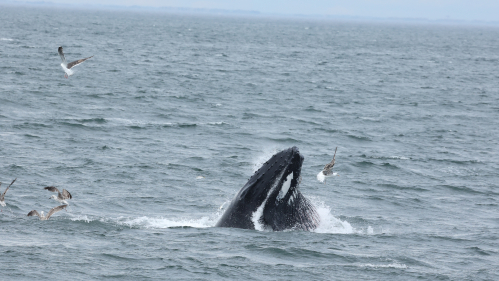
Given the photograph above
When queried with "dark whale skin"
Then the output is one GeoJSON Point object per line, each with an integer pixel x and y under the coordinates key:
{"type": "Point", "coordinates": [281, 211]}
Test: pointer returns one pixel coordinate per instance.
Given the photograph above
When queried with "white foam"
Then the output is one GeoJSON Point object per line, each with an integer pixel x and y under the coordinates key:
{"type": "Point", "coordinates": [330, 224]}
{"type": "Point", "coordinates": [147, 222]}
{"type": "Point", "coordinates": [370, 230]}
{"type": "Point", "coordinates": [392, 265]}
{"type": "Point", "coordinates": [398, 157]}
{"type": "Point", "coordinates": [82, 218]}
{"type": "Point", "coordinates": [89, 219]}
{"type": "Point", "coordinates": [153, 222]}
{"type": "Point", "coordinates": [6, 39]}
{"type": "Point", "coordinates": [217, 123]}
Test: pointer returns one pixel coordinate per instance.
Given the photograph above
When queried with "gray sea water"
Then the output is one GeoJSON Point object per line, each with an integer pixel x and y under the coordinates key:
{"type": "Point", "coordinates": [175, 112]}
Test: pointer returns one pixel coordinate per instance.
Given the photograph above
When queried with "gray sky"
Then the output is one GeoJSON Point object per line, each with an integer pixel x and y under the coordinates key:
{"type": "Point", "coordinates": [480, 10]}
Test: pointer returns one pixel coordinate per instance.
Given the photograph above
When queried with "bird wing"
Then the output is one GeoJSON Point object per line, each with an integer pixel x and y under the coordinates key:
{"type": "Point", "coordinates": [3, 195]}
{"type": "Point", "coordinates": [55, 210]}
{"type": "Point", "coordinates": [63, 58]}
{"type": "Point", "coordinates": [52, 188]}
{"type": "Point", "coordinates": [75, 63]}
{"type": "Point", "coordinates": [66, 194]}
{"type": "Point", "coordinates": [329, 166]}
{"type": "Point", "coordinates": [34, 213]}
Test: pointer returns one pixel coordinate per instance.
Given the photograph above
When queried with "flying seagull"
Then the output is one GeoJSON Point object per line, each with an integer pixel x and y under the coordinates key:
{"type": "Point", "coordinates": [61, 196]}
{"type": "Point", "coordinates": [51, 212]}
{"type": "Point", "coordinates": [67, 66]}
{"type": "Point", "coordinates": [2, 196]}
{"type": "Point", "coordinates": [328, 170]}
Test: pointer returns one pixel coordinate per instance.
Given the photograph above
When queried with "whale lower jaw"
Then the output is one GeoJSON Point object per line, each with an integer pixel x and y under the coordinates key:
{"type": "Point", "coordinates": [271, 199]}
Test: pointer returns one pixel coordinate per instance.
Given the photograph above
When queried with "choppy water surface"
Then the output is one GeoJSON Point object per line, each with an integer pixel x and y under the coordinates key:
{"type": "Point", "coordinates": [167, 98]}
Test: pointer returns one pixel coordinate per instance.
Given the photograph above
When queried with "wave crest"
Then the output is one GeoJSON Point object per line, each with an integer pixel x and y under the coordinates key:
{"type": "Point", "coordinates": [147, 222]}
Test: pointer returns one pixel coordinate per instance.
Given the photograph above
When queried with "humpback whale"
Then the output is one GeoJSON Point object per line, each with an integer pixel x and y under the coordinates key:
{"type": "Point", "coordinates": [271, 199]}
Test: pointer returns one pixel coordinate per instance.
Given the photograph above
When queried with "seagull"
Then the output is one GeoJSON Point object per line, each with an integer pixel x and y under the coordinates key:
{"type": "Point", "coordinates": [328, 170]}
{"type": "Point", "coordinates": [51, 212]}
{"type": "Point", "coordinates": [61, 197]}
{"type": "Point", "coordinates": [2, 196]}
{"type": "Point", "coordinates": [67, 66]}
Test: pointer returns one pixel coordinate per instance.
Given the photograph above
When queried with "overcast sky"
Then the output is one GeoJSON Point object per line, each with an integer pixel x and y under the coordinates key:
{"type": "Point", "coordinates": [481, 10]}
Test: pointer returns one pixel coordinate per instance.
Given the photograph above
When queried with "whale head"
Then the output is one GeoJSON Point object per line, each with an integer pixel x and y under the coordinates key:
{"type": "Point", "coordinates": [271, 198]}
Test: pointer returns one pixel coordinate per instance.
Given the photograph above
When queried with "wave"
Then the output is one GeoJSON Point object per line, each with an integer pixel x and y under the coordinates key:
{"type": "Point", "coordinates": [147, 222]}
{"type": "Point", "coordinates": [284, 140]}
{"type": "Point", "coordinates": [388, 165]}
{"type": "Point", "coordinates": [83, 218]}
{"type": "Point", "coordinates": [385, 157]}
{"type": "Point", "coordinates": [461, 188]}
{"type": "Point", "coordinates": [328, 222]}
{"type": "Point", "coordinates": [92, 123]}
{"type": "Point", "coordinates": [391, 265]}
{"type": "Point", "coordinates": [139, 124]}
{"type": "Point", "coordinates": [359, 138]}
{"type": "Point", "coordinates": [331, 224]}
{"type": "Point", "coordinates": [97, 120]}
{"type": "Point", "coordinates": [217, 123]}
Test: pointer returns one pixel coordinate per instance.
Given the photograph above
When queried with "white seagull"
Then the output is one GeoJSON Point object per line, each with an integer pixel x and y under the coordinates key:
{"type": "Point", "coordinates": [2, 196]}
{"type": "Point", "coordinates": [67, 66]}
{"type": "Point", "coordinates": [51, 212]}
{"type": "Point", "coordinates": [328, 170]}
{"type": "Point", "coordinates": [61, 196]}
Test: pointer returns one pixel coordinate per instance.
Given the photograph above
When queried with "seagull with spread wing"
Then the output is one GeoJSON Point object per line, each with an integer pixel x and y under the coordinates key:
{"type": "Point", "coordinates": [51, 212]}
{"type": "Point", "coordinates": [68, 66]}
{"type": "Point", "coordinates": [2, 196]}
{"type": "Point", "coordinates": [328, 170]}
{"type": "Point", "coordinates": [61, 196]}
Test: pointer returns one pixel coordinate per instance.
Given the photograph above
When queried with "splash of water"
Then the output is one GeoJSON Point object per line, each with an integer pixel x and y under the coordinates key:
{"type": "Point", "coordinates": [147, 222]}
{"type": "Point", "coordinates": [329, 223]}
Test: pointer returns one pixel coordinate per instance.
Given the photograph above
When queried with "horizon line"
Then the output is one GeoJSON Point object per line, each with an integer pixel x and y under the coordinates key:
{"type": "Point", "coordinates": [254, 13]}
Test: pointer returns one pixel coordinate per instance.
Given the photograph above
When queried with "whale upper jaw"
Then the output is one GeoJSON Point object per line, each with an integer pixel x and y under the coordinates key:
{"type": "Point", "coordinates": [271, 199]}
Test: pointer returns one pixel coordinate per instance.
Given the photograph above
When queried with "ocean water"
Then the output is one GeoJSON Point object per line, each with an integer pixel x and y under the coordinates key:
{"type": "Point", "coordinates": [157, 132]}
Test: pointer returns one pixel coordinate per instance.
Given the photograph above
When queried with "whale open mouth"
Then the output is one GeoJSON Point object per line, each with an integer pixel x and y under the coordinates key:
{"type": "Point", "coordinates": [271, 199]}
{"type": "Point", "coordinates": [286, 184]}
